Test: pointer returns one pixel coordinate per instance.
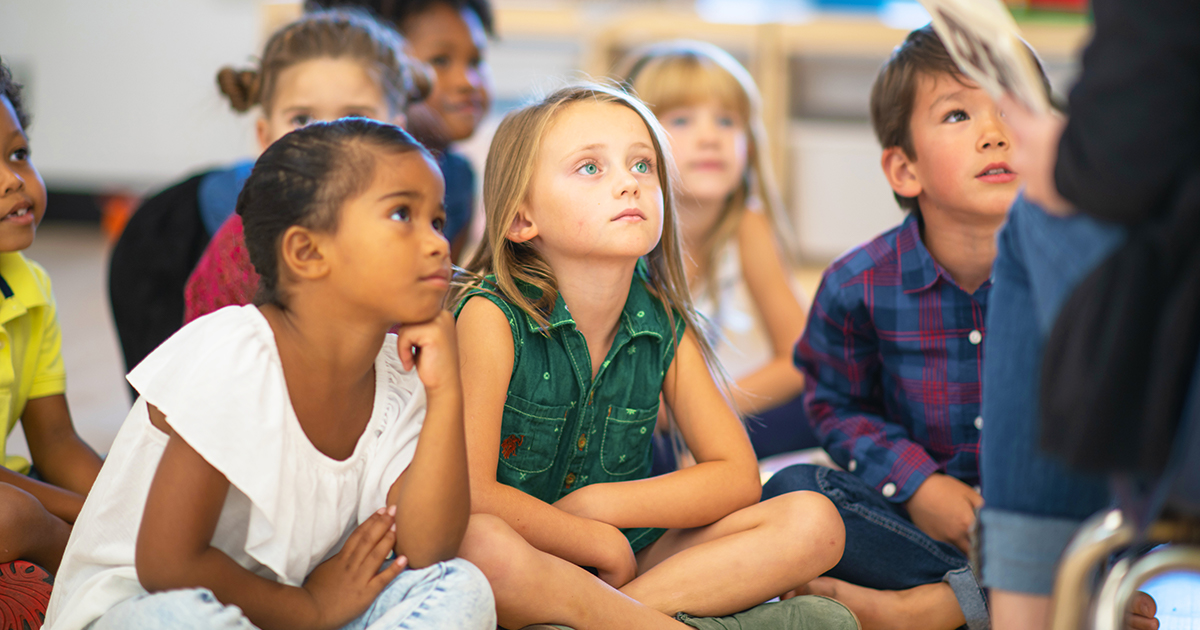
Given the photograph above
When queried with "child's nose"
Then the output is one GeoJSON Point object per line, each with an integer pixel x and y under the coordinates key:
{"type": "Point", "coordinates": [10, 180]}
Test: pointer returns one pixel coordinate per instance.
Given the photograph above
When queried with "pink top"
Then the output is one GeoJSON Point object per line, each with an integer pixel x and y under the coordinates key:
{"type": "Point", "coordinates": [224, 275]}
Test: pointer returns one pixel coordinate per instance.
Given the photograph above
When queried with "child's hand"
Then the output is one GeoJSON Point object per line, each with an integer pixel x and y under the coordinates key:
{"type": "Point", "coordinates": [433, 347]}
{"type": "Point", "coordinates": [944, 508]}
{"type": "Point", "coordinates": [344, 586]}
{"type": "Point", "coordinates": [582, 502]}
{"type": "Point", "coordinates": [1035, 153]}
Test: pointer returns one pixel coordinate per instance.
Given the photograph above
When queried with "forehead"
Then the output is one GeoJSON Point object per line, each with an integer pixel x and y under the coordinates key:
{"type": "Point", "coordinates": [585, 123]}
{"type": "Point", "coordinates": [937, 87]}
{"type": "Point", "coordinates": [341, 80]}
{"type": "Point", "coordinates": [8, 119]}
{"type": "Point", "coordinates": [443, 24]}
{"type": "Point", "coordinates": [407, 170]}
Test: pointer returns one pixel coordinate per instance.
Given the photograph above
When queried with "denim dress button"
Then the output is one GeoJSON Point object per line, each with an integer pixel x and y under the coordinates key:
{"type": "Point", "coordinates": [889, 489]}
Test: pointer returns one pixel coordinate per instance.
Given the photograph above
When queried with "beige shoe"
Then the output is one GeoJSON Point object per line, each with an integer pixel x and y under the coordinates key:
{"type": "Point", "coordinates": [807, 612]}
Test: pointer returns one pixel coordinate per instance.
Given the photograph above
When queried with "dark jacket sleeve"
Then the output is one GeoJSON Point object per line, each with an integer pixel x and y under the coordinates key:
{"type": "Point", "coordinates": [1134, 129]}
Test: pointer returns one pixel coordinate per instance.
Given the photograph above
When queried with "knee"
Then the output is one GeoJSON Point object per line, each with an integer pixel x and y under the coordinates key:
{"type": "Point", "coordinates": [792, 479]}
{"type": "Point", "coordinates": [812, 522]}
{"type": "Point", "coordinates": [21, 514]}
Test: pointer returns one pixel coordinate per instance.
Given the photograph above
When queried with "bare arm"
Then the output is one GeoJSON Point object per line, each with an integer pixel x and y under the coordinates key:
{"type": "Point", "coordinates": [725, 478]}
{"type": "Point", "coordinates": [781, 310]}
{"type": "Point", "coordinates": [433, 496]}
{"type": "Point", "coordinates": [487, 366]}
{"type": "Point", "coordinates": [61, 456]}
{"type": "Point", "coordinates": [174, 550]}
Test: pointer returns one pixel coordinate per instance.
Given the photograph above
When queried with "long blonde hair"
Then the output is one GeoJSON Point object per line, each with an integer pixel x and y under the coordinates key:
{"type": "Point", "coordinates": [507, 175]}
{"type": "Point", "coordinates": [680, 73]}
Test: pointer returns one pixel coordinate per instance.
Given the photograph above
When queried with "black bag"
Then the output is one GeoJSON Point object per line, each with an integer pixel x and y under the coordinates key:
{"type": "Point", "coordinates": [1118, 363]}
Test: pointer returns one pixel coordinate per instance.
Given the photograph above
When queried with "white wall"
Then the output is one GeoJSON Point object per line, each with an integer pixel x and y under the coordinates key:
{"type": "Point", "coordinates": [123, 94]}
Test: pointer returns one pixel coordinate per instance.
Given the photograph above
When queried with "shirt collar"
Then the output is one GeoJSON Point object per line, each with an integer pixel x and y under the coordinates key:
{"type": "Point", "coordinates": [918, 270]}
{"type": "Point", "coordinates": [638, 315]}
{"type": "Point", "coordinates": [19, 277]}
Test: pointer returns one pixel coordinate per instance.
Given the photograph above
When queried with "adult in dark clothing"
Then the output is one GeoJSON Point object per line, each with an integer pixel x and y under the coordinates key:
{"type": "Point", "coordinates": [1126, 165]}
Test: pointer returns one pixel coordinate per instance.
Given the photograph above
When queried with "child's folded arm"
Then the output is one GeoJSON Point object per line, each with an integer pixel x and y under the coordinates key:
{"type": "Point", "coordinates": [432, 495]}
{"type": "Point", "coordinates": [61, 457]}
{"type": "Point", "coordinates": [839, 355]}
{"type": "Point", "coordinates": [724, 480]}
{"type": "Point", "coordinates": [174, 541]}
{"type": "Point", "coordinates": [486, 363]}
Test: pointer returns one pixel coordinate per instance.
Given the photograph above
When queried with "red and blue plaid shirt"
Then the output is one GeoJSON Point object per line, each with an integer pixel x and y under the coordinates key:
{"type": "Point", "coordinates": [893, 356]}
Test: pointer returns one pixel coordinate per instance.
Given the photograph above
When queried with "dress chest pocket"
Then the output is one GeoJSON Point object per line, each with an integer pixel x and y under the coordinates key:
{"type": "Point", "coordinates": [530, 434]}
{"type": "Point", "coordinates": [625, 449]}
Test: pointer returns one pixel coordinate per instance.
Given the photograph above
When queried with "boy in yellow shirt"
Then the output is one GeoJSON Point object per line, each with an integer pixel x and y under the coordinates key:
{"type": "Point", "coordinates": [35, 515]}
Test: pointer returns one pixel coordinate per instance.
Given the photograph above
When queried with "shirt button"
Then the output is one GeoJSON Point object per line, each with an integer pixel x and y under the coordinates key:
{"type": "Point", "coordinates": [979, 422]}
{"type": "Point", "coordinates": [888, 490]}
{"type": "Point", "coordinates": [582, 441]}
{"type": "Point", "coordinates": [852, 466]}
{"type": "Point", "coordinates": [975, 337]}
{"type": "Point", "coordinates": [570, 479]}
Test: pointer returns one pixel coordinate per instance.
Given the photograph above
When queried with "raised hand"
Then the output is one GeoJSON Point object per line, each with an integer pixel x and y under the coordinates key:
{"type": "Point", "coordinates": [433, 347]}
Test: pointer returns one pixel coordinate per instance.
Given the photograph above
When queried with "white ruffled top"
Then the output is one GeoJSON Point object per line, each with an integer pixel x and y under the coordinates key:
{"type": "Point", "coordinates": [220, 384]}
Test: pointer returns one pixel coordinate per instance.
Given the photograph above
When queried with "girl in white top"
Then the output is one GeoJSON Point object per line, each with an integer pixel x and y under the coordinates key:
{"type": "Point", "coordinates": [731, 218]}
{"type": "Point", "coordinates": [272, 463]}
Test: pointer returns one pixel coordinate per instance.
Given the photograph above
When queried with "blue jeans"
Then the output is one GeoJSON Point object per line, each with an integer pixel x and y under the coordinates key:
{"type": "Point", "coordinates": [1032, 504]}
{"type": "Point", "coordinates": [451, 594]}
{"type": "Point", "coordinates": [884, 550]}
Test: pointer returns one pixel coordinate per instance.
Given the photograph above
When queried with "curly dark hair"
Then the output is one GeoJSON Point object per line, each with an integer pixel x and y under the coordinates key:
{"type": "Point", "coordinates": [399, 11]}
{"type": "Point", "coordinates": [12, 90]}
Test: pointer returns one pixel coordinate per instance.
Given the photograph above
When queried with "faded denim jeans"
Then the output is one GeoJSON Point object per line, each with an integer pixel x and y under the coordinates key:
{"type": "Point", "coordinates": [451, 594]}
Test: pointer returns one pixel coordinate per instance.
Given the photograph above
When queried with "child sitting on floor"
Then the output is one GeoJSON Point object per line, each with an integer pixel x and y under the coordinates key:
{"type": "Point", "coordinates": [279, 453]}
{"type": "Point", "coordinates": [893, 352]}
{"type": "Point", "coordinates": [579, 319]}
{"type": "Point", "coordinates": [36, 509]}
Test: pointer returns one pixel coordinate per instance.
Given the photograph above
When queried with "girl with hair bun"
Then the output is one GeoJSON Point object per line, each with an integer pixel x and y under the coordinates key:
{"type": "Point", "coordinates": [323, 66]}
{"type": "Point", "coordinates": [281, 453]}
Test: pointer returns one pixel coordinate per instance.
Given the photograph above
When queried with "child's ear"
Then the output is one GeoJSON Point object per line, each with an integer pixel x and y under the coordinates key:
{"type": "Point", "coordinates": [261, 131]}
{"type": "Point", "coordinates": [301, 253]}
{"type": "Point", "coordinates": [901, 172]}
{"type": "Point", "coordinates": [523, 228]}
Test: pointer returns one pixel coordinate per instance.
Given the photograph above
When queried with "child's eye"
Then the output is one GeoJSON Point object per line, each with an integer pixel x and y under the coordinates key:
{"type": "Point", "coordinates": [439, 224]}
{"type": "Point", "coordinates": [589, 169]}
{"type": "Point", "coordinates": [440, 61]}
{"type": "Point", "coordinates": [957, 115]}
{"type": "Point", "coordinates": [643, 167]}
{"type": "Point", "coordinates": [401, 214]}
{"type": "Point", "coordinates": [20, 155]}
{"type": "Point", "coordinates": [677, 121]}
{"type": "Point", "coordinates": [300, 120]}
{"type": "Point", "coordinates": [725, 121]}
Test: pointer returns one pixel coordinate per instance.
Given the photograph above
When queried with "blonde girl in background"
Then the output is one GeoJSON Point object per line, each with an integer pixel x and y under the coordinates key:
{"type": "Point", "coordinates": [324, 66]}
{"type": "Point", "coordinates": [576, 319]}
{"type": "Point", "coordinates": [733, 224]}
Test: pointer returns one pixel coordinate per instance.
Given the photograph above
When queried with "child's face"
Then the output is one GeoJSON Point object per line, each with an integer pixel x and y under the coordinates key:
{"type": "Point", "coordinates": [595, 191]}
{"type": "Point", "coordinates": [388, 251]}
{"type": "Point", "coordinates": [322, 89]}
{"type": "Point", "coordinates": [453, 43]}
{"type": "Point", "coordinates": [710, 147]}
{"type": "Point", "coordinates": [22, 193]}
{"type": "Point", "coordinates": [963, 151]}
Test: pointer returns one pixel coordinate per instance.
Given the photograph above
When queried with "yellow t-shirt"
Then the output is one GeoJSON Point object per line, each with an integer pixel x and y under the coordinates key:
{"type": "Point", "coordinates": [31, 363]}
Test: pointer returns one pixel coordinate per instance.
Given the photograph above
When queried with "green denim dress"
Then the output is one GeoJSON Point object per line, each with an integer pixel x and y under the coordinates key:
{"type": "Point", "coordinates": [562, 430]}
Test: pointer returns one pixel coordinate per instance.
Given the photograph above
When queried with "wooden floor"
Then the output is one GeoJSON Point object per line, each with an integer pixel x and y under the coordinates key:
{"type": "Point", "coordinates": [76, 256]}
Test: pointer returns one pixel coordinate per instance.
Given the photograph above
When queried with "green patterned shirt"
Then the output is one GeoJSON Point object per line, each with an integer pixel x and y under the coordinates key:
{"type": "Point", "coordinates": [562, 430]}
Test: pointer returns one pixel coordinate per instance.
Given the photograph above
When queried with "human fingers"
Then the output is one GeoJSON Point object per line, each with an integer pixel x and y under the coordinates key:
{"type": "Point", "coordinates": [389, 573]}
{"type": "Point", "coordinates": [383, 546]}
{"type": "Point", "coordinates": [368, 535]}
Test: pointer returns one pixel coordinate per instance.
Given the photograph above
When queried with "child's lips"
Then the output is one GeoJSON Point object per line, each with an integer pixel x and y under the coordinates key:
{"type": "Point", "coordinates": [630, 214]}
{"type": "Point", "coordinates": [20, 214]}
{"type": "Point", "coordinates": [997, 173]}
{"type": "Point", "coordinates": [440, 278]}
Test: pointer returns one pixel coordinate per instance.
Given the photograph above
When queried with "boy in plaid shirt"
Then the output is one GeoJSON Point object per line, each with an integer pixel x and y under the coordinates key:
{"type": "Point", "coordinates": [893, 352]}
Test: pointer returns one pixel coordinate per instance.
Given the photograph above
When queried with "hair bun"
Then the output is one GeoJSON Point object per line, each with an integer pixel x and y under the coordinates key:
{"type": "Point", "coordinates": [241, 87]}
{"type": "Point", "coordinates": [422, 81]}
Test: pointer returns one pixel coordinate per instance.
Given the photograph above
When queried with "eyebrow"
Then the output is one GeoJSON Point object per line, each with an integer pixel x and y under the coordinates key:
{"type": "Point", "coordinates": [408, 194]}
{"type": "Point", "coordinates": [946, 97]}
{"type": "Point", "coordinates": [601, 145]}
